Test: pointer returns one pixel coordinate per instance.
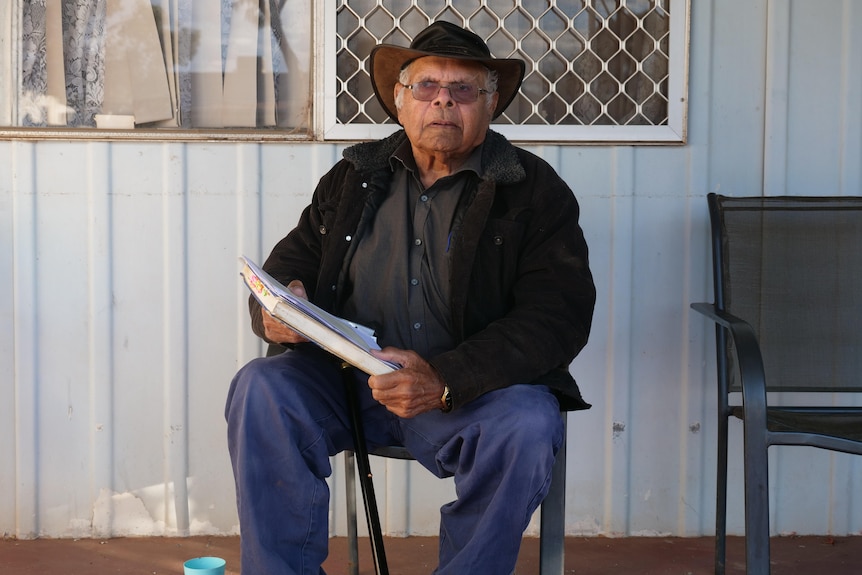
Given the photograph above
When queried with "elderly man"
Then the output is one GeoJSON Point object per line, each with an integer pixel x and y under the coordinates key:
{"type": "Point", "coordinates": [464, 253]}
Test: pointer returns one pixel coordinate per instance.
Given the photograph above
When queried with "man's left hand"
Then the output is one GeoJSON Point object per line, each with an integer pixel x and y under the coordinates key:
{"type": "Point", "coordinates": [411, 390]}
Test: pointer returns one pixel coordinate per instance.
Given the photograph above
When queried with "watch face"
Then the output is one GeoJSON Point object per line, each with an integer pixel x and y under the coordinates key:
{"type": "Point", "coordinates": [446, 400]}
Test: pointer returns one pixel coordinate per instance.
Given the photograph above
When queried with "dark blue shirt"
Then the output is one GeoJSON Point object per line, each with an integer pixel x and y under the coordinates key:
{"type": "Point", "coordinates": [399, 273]}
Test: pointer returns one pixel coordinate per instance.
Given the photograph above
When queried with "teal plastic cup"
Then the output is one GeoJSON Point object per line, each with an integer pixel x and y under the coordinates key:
{"type": "Point", "coordinates": [204, 566]}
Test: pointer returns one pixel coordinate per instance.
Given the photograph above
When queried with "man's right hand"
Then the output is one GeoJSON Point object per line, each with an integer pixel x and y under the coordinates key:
{"type": "Point", "coordinates": [275, 330]}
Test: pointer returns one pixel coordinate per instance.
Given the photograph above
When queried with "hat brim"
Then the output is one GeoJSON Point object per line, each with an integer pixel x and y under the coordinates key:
{"type": "Point", "coordinates": [386, 62]}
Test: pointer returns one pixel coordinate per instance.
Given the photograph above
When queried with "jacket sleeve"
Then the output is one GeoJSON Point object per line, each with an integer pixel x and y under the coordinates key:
{"type": "Point", "coordinates": [297, 256]}
{"type": "Point", "coordinates": [528, 313]}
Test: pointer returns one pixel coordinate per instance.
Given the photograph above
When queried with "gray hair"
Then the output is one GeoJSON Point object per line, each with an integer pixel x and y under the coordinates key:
{"type": "Point", "coordinates": [491, 80]}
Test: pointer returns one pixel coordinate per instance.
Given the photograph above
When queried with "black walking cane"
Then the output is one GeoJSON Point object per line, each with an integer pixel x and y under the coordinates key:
{"type": "Point", "coordinates": [365, 478]}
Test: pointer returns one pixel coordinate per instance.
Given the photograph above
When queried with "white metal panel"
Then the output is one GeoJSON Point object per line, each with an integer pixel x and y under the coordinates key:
{"type": "Point", "coordinates": [8, 372]}
{"type": "Point", "coordinates": [124, 318]}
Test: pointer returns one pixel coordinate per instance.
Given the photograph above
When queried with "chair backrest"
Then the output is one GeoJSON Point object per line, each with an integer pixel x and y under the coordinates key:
{"type": "Point", "coordinates": [792, 268]}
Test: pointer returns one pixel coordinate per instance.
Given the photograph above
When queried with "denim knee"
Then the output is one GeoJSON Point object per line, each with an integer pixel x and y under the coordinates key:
{"type": "Point", "coordinates": [251, 384]}
{"type": "Point", "coordinates": [533, 419]}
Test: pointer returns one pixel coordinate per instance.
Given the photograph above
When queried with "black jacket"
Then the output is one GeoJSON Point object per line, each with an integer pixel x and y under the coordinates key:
{"type": "Point", "coordinates": [522, 295]}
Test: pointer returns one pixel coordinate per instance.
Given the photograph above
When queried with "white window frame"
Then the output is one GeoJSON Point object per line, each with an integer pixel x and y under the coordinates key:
{"type": "Point", "coordinates": [674, 132]}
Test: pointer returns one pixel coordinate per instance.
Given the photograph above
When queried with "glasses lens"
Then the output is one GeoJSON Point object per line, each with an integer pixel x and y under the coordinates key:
{"type": "Point", "coordinates": [464, 93]}
{"type": "Point", "coordinates": [461, 93]}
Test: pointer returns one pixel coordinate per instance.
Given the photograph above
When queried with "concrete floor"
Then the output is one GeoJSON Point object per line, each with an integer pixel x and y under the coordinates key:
{"type": "Point", "coordinates": [813, 555]}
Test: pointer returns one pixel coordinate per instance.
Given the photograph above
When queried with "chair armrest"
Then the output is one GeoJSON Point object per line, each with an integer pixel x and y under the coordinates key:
{"type": "Point", "coordinates": [720, 317]}
{"type": "Point", "coordinates": [752, 375]}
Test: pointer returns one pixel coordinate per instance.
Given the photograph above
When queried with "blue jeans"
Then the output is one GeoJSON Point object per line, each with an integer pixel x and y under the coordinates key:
{"type": "Point", "coordinates": [287, 415]}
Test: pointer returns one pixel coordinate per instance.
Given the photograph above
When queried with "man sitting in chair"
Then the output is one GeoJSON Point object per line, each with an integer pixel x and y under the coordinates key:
{"type": "Point", "coordinates": [464, 253]}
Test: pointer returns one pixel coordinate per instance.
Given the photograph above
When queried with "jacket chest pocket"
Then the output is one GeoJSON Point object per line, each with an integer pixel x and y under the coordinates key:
{"type": "Point", "coordinates": [327, 214]}
{"type": "Point", "coordinates": [499, 250]}
{"type": "Point", "coordinates": [503, 234]}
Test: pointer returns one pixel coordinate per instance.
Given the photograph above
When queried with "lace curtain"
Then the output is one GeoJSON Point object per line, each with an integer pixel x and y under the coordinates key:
{"type": "Point", "coordinates": [163, 63]}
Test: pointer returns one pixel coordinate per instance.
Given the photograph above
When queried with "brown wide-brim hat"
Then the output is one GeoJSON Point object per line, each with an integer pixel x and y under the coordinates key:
{"type": "Point", "coordinates": [445, 40]}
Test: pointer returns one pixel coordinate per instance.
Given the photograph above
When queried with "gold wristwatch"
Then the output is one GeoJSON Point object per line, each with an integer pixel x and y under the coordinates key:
{"type": "Point", "coordinates": [446, 400]}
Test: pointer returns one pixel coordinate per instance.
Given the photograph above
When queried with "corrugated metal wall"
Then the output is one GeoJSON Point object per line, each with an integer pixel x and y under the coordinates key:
{"type": "Point", "coordinates": [123, 317]}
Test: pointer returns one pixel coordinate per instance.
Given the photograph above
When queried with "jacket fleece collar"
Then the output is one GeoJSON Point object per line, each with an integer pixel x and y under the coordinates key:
{"type": "Point", "coordinates": [499, 157]}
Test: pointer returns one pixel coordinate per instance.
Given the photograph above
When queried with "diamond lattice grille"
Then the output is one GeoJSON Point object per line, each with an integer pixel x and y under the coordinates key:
{"type": "Point", "coordinates": [589, 62]}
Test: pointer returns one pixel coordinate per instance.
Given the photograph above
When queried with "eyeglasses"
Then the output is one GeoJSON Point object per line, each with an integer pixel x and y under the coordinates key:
{"type": "Point", "coordinates": [461, 93]}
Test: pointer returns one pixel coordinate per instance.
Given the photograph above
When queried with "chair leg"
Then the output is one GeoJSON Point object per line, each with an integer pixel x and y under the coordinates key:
{"type": "Point", "coordinates": [721, 498]}
{"type": "Point", "coordinates": [724, 414]}
{"type": "Point", "coordinates": [375, 532]}
{"type": "Point", "coordinates": [552, 537]}
{"type": "Point", "coordinates": [756, 500]}
{"type": "Point", "coordinates": [350, 502]}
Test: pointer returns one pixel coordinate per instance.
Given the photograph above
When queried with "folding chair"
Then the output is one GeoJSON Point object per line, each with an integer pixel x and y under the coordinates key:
{"type": "Point", "coordinates": [788, 305]}
{"type": "Point", "coordinates": [553, 513]}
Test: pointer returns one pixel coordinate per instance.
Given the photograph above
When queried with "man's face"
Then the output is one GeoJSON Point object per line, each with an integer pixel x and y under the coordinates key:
{"type": "Point", "coordinates": [444, 125]}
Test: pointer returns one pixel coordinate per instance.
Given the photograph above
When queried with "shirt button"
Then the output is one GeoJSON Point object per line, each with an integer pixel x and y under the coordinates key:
{"type": "Point", "coordinates": [414, 282]}
{"type": "Point", "coordinates": [322, 230]}
{"type": "Point", "coordinates": [423, 197]}
{"type": "Point", "coordinates": [418, 241]}
{"type": "Point", "coordinates": [417, 326]}
{"type": "Point", "coordinates": [364, 184]}
{"type": "Point", "coordinates": [348, 238]}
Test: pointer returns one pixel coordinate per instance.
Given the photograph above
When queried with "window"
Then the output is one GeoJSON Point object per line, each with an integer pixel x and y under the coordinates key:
{"type": "Point", "coordinates": [158, 65]}
{"type": "Point", "coordinates": [597, 70]}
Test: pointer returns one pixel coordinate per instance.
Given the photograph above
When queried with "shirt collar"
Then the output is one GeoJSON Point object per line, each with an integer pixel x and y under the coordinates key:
{"type": "Point", "coordinates": [403, 154]}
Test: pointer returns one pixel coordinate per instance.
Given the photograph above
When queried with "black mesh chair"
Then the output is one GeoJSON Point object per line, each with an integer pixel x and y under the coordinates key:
{"type": "Point", "coordinates": [552, 516]}
{"type": "Point", "coordinates": [788, 313]}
